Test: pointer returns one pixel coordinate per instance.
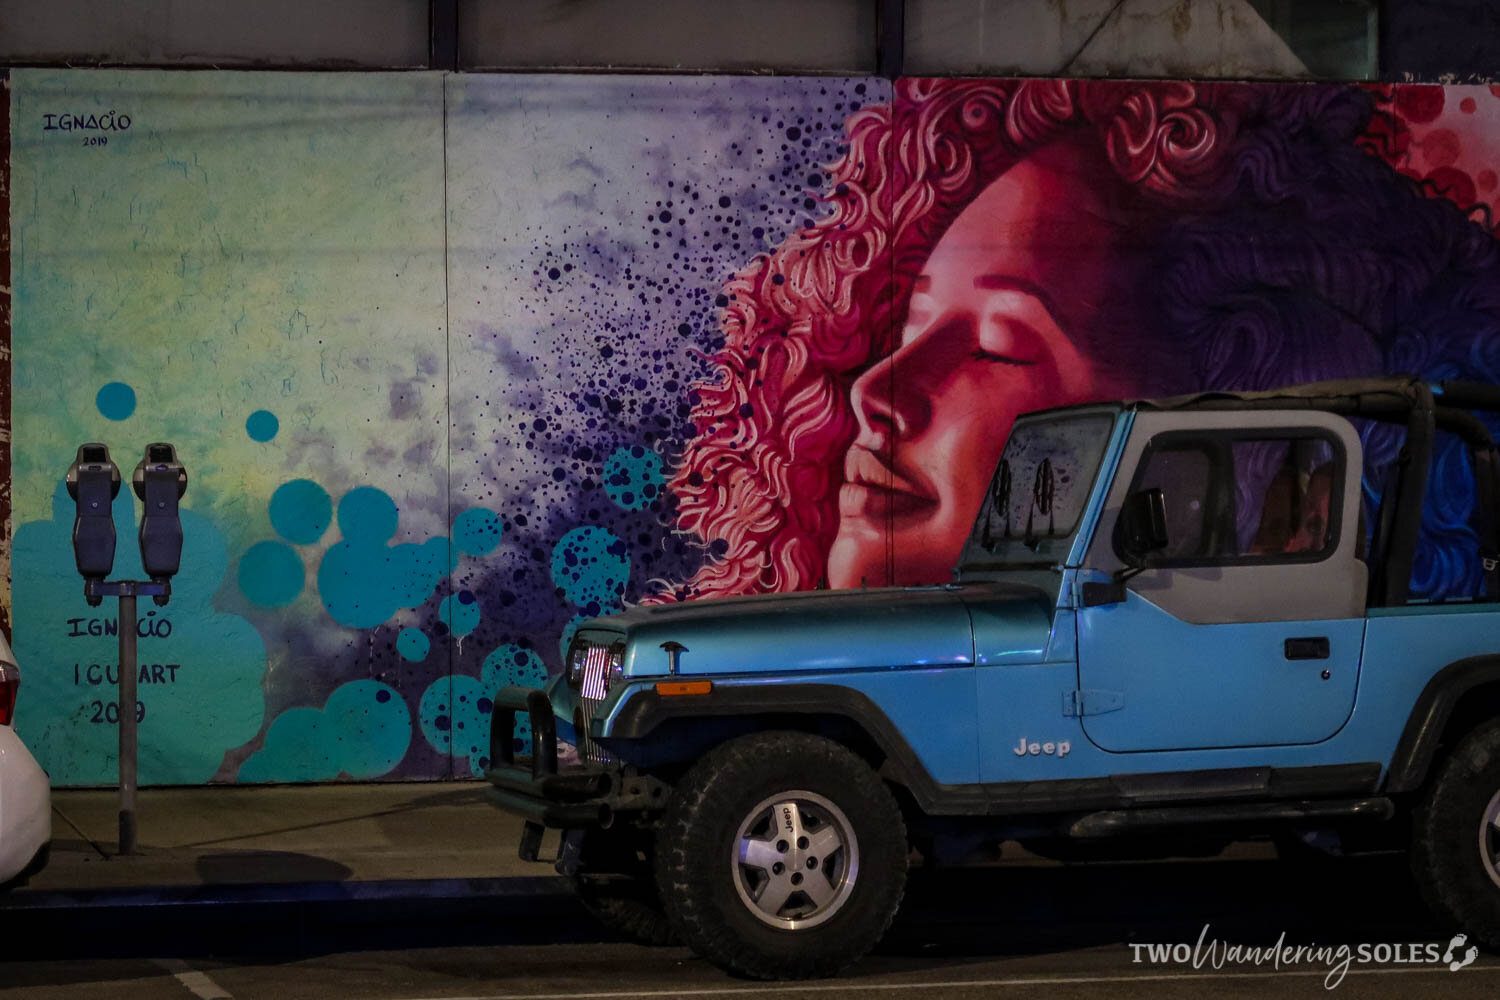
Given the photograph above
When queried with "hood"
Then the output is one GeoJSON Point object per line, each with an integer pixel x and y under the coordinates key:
{"type": "Point", "coordinates": [813, 630]}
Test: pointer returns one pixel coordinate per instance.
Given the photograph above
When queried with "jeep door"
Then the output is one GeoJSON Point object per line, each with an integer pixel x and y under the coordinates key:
{"type": "Point", "coordinates": [1246, 630]}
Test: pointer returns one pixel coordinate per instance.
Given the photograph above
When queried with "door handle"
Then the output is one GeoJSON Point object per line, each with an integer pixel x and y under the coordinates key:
{"type": "Point", "coordinates": [1313, 647]}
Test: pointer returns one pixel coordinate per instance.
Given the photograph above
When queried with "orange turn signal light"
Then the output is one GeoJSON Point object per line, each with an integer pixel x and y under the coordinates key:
{"type": "Point", "coordinates": [673, 689]}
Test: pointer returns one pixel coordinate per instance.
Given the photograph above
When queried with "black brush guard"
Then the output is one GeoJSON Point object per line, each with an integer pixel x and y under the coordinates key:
{"type": "Point", "coordinates": [580, 796]}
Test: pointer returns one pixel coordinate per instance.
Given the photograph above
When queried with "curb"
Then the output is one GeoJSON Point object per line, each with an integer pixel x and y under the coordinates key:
{"type": "Point", "coordinates": [293, 919]}
{"type": "Point", "coordinates": [535, 890]}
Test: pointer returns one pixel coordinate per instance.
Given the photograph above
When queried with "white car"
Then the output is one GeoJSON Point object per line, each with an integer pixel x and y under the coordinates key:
{"type": "Point", "coordinates": [25, 793]}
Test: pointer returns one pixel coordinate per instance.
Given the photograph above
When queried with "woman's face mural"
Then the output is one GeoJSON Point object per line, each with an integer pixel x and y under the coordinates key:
{"type": "Point", "coordinates": [996, 246]}
{"type": "Point", "coordinates": [990, 333]}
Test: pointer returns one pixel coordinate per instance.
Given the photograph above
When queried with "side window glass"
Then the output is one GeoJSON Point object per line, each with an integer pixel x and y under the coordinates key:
{"type": "Point", "coordinates": [1232, 498]}
{"type": "Point", "coordinates": [1291, 487]}
{"type": "Point", "coordinates": [1184, 472]}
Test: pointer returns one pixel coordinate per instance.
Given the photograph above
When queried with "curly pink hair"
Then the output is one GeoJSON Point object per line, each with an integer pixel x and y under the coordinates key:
{"type": "Point", "coordinates": [759, 482]}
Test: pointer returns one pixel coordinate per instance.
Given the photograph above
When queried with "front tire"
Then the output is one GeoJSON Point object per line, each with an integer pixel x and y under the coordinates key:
{"type": "Point", "coordinates": [627, 905]}
{"type": "Point", "coordinates": [1455, 850]}
{"type": "Point", "coordinates": [781, 856]}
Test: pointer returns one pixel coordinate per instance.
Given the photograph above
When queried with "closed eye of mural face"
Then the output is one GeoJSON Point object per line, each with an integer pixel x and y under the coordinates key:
{"type": "Point", "coordinates": [672, 338]}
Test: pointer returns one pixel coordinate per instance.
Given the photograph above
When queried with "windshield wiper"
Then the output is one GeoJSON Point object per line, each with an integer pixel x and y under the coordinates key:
{"type": "Point", "coordinates": [999, 501]}
{"type": "Point", "coordinates": [1043, 492]}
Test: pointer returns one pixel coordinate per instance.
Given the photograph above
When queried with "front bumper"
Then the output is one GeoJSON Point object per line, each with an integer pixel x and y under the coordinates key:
{"type": "Point", "coordinates": [579, 796]}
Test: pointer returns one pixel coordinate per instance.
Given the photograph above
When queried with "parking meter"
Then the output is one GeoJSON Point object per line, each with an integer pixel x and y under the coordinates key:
{"type": "Point", "coordinates": [93, 483]}
{"type": "Point", "coordinates": [160, 481]}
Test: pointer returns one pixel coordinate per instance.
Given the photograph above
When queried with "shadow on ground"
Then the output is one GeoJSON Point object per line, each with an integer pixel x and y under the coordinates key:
{"type": "Point", "coordinates": [231, 867]}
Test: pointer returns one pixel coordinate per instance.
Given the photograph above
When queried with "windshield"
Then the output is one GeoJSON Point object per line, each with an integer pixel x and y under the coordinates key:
{"type": "Point", "coordinates": [1039, 491]}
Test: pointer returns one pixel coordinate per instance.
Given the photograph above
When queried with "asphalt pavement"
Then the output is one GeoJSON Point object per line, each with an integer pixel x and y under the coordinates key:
{"type": "Point", "coordinates": [1025, 929]}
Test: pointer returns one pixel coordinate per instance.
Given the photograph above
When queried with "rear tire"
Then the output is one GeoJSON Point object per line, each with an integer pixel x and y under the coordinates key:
{"type": "Point", "coordinates": [781, 856]}
{"type": "Point", "coordinates": [1455, 852]}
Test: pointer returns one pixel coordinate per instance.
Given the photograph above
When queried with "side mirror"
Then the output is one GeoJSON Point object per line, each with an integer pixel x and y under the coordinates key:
{"type": "Point", "coordinates": [1143, 525]}
{"type": "Point", "coordinates": [1143, 530]}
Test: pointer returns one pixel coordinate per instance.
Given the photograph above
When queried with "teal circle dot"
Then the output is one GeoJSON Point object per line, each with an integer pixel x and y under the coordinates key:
{"type": "Point", "coordinates": [435, 714]}
{"type": "Point", "coordinates": [633, 477]}
{"type": "Point", "coordinates": [367, 515]}
{"type": "Point", "coordinates": [271, 574]}
{"type": "Point", "coordinates": [301, 511]}
{"type": "Point", "coordinates": [592, 566]}
{"type": "Point", "coordinates": [460, 612]}
{"type": "Point", "coordinates": [116, 400]}
{"type": "Point", "coordinates": [512, 666]}
{"type": "Point", "coordinates": [454, 715]}
{"type": "Point", "coordinates": [477, 531]}
{"type": "Point", "coordinates": [262, 425]}
{"type": "Point", "coordinates": [413, 645]}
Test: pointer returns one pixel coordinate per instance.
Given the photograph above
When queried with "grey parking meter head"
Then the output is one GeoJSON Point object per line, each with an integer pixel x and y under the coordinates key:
{"type": "Point", "coordinates": [93, 482]}
{"type": "Point", "coordinates": [160, 481]}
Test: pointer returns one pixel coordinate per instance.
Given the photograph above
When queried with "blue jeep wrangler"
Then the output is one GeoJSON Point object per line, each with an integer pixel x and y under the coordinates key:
{"type": "Point", "coordinates": [1171, 617]}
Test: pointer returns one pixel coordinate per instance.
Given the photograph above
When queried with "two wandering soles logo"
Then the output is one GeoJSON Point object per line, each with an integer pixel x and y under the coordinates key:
{"type": "Point", "coordinates": [1218, 955]}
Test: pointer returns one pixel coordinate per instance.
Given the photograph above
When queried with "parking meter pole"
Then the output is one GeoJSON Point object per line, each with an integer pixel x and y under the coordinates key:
{"type": "Point", "coordinates": [93, 482]}
{"type": "Point", "coordinates": [128, 677]}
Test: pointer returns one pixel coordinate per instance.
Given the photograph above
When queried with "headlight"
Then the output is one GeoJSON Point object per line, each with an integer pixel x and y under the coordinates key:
{"type": "Point", "coordinates": [577, 653]}
{"type": "Point", "coordinates": [616, 666]}
{"type": "Point", "coordinates": [594, 668]}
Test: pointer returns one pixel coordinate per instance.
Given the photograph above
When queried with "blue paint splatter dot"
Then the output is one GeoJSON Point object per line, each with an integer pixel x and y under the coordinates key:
{"type": "Point", "coordinates": [591, 566]}
{"type": "Point", "coordinates": [633, 477]}
{"type": "Point", "coordinates": [432, 714]}
{"type": "Point", "coordinates": [262, 425]}
{"type": "Point", "coordinates": [461, 616]}
{"type": "Point", "coordinates": [271, 574]}
{"type": "Point", "coordinates": [370, 727]}
{"type": "Point", "coordinates": [476, 532]}
{"type": "Point", "coordinates": [301, 511]}
{"type": "Point", "coordinates": [363, 732]}
{"type": "Point", "coordinates": [362, 583]}
{"type": "Point", "coordinates": [512, 666]}
{"type": "Point", "coordinates": [413, 645]}
{"type": "Point", "coordinates": [116, 401]}
{"type": "Point", "coordinates": [452, 717]}
{"type": "Point", "coordinates": [361, 579]}
{"type": "Point", "coordinates": [367, 514]}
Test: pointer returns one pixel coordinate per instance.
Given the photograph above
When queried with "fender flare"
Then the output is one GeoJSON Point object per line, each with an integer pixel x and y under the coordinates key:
{"type": "Point", "coordinates": [646, 711]}
{"type": "Point", "coordinates": [1429, 717]}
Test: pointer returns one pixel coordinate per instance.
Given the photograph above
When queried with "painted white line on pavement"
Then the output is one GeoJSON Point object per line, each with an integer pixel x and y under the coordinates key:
{"type": "Point", "coordinates": [195, 982]}
{"type": "Point", "coordinates": [794, 987]}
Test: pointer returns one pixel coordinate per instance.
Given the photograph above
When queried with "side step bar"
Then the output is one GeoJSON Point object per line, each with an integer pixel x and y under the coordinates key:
{"type": "Point", "coordinates": [1118, 822]}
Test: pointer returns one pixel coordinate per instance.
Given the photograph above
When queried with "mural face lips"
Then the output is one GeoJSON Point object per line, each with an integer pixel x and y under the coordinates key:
{"type": "Point", "coordinates": [875, 490]}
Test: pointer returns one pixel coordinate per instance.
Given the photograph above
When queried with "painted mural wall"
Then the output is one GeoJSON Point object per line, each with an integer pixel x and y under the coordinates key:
{"type": "Point", "coordinates": [456, 362]}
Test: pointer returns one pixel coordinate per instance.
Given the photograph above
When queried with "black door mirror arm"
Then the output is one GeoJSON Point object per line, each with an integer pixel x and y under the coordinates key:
{"type": "Point", "coordinates": [1097, 594]}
